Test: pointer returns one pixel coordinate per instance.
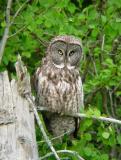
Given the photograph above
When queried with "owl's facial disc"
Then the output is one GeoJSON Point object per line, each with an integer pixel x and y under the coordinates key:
{"type": "Point", "coordinates": [74, 55]}
{"type": "Point", "coordinates": [65, 54]}
{"type": "Point", "coordinates": [58, 50]}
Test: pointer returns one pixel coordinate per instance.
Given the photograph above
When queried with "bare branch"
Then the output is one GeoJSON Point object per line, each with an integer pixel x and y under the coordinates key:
{"type": "Point", "coordinates": [86, 68]}
{"type": "Point", "coordinates": [43, 42]}
{"type": "Point", "coordinates": [82, 115]}
{"type": "Point", "coordinates": [111, 103]}
{"type": "Point", "coordinates": [92, 95]}
{"type": "Point", "coordinates": [62, 135]}
{"type": "Point", "coordinates": [74, 153]}
{"type": "Point", "coordinates": [112, 106]}
{"type": "Point", "coordinates": [18, 11]}
{"type": "Point", "coordinates": [21, 29]}
{"type": "Point", "coordinates": [103, 42]}
{"type": "Point", "coordinates": [94, 64]}
{"type": "Point", "coordinates": [6, 31]}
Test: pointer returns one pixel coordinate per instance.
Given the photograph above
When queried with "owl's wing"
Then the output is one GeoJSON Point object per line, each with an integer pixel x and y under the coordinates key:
{"type": "Point", "coordinates": [77, 120]}
{"type": "Point", "coordinates": [38, 75]}
{"type": "Point", "coordinates": [81, 93]}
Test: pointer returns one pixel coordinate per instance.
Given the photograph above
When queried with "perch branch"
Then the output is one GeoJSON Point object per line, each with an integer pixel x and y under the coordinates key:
{"type": "Point", "coordinates": [24, 88]}
{"type": "Point", "coordinates": [6, 31]}
{"type": "Point", "coordinates": [82, 115]}
{"type": "Point", "coordinates": [63, 152]}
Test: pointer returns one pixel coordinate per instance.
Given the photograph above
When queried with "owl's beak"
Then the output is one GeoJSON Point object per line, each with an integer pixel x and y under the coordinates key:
{"type": "Point", "coordinates": [65, 61]}
{"type": "Point", "coordinates": [65, 58]}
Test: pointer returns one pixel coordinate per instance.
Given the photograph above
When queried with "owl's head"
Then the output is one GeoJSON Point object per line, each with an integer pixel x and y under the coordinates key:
{"type": "Point", "coordinates": [65, 51]}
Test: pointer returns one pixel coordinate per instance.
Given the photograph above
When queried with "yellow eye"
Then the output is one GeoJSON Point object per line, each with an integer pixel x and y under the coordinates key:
{"type": "Point", "coordinates": [60, 52]}
{"type": "Point", "coordinates": [71, 53]}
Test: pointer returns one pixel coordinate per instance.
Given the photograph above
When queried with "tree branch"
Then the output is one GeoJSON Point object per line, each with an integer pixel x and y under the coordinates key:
{"type": "Point", "coordinates": [82, 115]}
{"type": "Point", "coordinates": [18, 11]}
{"type": "Point", "coordinates": [18, 31]}
{"type": "Point", "coordinates": [8, 24]}
{"type": "Point", "coordinates": [62, 135]}
{"type": "Point", "coordinates": [64, 152]}
{"type": "Point", "coordinates": [6, 31]}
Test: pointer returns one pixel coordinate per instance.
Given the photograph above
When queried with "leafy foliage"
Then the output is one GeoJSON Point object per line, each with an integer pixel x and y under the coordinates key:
{"type": "Point", "coordinates": [98, 24]}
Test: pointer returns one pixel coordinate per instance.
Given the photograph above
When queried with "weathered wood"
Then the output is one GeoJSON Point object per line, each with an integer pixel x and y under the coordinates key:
{"type": "Point", "coordinates": [17, 130]}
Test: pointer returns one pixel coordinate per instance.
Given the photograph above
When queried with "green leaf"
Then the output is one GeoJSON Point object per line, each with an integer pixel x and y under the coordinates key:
{"type": "Point", "coordinates": [26, 54]}
{"type": "Point", "coordinates": [88, 137]}
{"type": "Point", "coordinates": [118, 20]}
{"type": "Point", "coordinates": [87, 151]}
{"type": "Point", "coordinates": [104, 157]}
{"type": "Point", "coordinates": [93, 112]}
{"type": "Point", "coordinates": [71, 8]}
{"type": "Point", "coordinates": [104, 19]}
{"type": "Point", "coordinates": [105, 135]}
{"type": "Point", "coordinates": [118, 93]}
{"type": "Point", "coordinates": [3, 24]}
{"type": "Point", "coordinates": [86, 124]}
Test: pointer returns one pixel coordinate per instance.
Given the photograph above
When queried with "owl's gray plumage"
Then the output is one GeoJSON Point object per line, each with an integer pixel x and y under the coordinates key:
{"type": "Point", "coordinates": [58, 84]}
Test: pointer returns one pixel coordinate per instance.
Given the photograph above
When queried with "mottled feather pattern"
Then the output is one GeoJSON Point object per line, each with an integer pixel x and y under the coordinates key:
{"type": "Point", "coordinates": [59, 86]}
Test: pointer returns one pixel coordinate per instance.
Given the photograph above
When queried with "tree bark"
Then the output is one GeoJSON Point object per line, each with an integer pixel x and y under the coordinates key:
{"type": "Point", "coordinates": [17, 129]}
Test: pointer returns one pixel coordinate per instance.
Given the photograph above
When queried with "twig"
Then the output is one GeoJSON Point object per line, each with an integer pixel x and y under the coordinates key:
{"type": "Point", "coordinates": [92, 94]}
{"type": "Point", "coordinates": [82, 115]}
{"type": "Point", "coordinates": [43, 42]}
{"type": "Point", "coordinates": [111, 103]}
{"type": "Point", "coordinates": [116, 87]}
{"type": "Point", "coordinates": [86, 68]}
{"type": "Point", "coordinates": [66, 133]}
{"type": "Point", "coordinates": [64, 152]}
{"type": "Point", "coordinates": [18, 31]}
{"type": "Point", "coordinates": [94, 65]}
{"type": "Point", "coordinates": [17, 12]}
{"type": "Point", "coordinates": [6, 31]}
{"type": "Point", "coordinates": [113, 109]}
{"type": "Point", "coordinates": [103, 41]}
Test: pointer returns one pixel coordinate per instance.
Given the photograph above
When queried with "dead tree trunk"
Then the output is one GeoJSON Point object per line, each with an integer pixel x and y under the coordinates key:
{"type": "Point", "coordinates": [17, 130]}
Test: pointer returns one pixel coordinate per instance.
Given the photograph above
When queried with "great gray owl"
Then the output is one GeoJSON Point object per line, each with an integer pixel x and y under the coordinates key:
{"type": "Point", "coordinates": [58, 84]}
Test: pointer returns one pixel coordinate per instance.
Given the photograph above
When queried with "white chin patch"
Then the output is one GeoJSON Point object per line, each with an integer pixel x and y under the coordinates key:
{"type": "Point", "coordinates": [70, 67]}
{"type": "Point", "coordinates": [59, 66]}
